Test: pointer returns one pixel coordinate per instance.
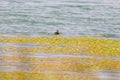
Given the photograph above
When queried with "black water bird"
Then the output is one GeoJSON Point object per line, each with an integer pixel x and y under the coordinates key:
{"type": "Point", "coordinates": [56, 33]}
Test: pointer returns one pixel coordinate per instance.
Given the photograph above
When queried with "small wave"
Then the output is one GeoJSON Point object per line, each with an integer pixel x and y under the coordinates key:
{"type": "Point", "coordinates": [108, 35]}
{"type": "Point", "coordinates": [4, 3]}
{"type": "Point", "coordinates": [32, 4]}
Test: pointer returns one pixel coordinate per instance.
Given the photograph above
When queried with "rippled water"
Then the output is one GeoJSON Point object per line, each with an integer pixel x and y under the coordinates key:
{"type": "Point", "coordinates": [71, 17]}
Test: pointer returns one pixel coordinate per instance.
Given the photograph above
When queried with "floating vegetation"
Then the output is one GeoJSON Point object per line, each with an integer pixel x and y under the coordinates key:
{"type": "Point", "coordinates": [57, 57]}
{"type": "Point", "coordinates": [66, 45]}
{"type": "Point", "coordinates": [43, 76]}
{"type": "Point", "coordinates": [64, 64]}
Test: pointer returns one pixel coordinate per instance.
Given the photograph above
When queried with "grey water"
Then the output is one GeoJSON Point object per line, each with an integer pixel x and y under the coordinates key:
{"type": "Point", "coordinates": [70, 17]}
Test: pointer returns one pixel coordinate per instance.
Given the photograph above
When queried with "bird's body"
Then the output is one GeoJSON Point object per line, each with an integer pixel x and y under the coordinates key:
{"type": "Point", "coordinates": [57, 32]}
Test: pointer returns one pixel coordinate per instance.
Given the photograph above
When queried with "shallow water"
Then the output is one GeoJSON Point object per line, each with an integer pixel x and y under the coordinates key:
{"type": "Point", "coordinates": [81, 17]}
{"type": "Point", "coordinates": [111, 75]}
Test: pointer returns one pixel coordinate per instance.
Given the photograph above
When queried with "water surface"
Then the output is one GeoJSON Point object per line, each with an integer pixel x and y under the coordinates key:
{"type": "Point", "coordinates": [81, 17]}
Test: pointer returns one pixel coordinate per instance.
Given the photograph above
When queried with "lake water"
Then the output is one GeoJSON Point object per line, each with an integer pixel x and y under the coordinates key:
{"type": "Point", "coordinates": [71, 17]}
{"type": "Point", "coordinates": [44, 17]}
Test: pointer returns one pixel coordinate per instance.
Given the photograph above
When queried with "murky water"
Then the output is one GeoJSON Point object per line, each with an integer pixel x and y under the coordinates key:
{"type": "Point", "coordinates": [81, 17]}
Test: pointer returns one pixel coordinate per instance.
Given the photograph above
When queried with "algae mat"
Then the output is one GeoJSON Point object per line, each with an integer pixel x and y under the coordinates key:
{"type": "Point", "coordinates": [59, 58]}
{"type": "Point", "coordinates": [66, 45]}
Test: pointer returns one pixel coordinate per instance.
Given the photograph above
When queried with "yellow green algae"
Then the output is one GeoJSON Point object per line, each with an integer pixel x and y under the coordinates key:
{"type": "Point", "coordinates": [66, 45]}
{"type": "Point", "coordinates": [102, 50]}
{"type": "Point", "coordinates": [43, 76]}
{"type": "Point", "coordinates": [65, 63]}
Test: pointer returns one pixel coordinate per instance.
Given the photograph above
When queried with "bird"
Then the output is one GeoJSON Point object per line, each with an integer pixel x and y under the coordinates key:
{"type": "Point", "coordinates": [57, 32]}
